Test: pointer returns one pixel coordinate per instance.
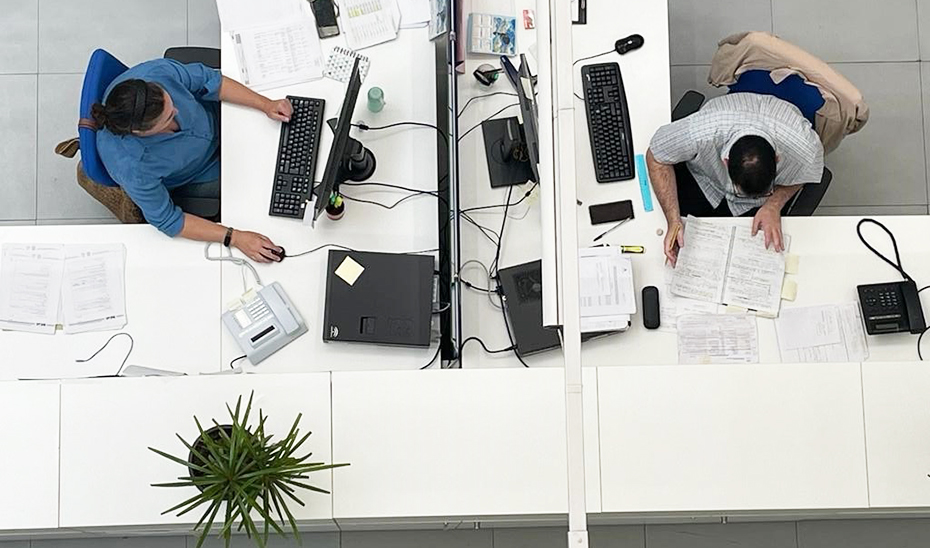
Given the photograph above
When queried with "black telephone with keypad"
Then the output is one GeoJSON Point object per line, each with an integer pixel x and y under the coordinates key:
{"type": "Point", "coordinates": [891, 308]}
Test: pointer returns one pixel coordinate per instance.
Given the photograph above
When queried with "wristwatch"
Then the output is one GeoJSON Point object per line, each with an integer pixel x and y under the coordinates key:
{"type": "Point", "coordinates": [228, 237]}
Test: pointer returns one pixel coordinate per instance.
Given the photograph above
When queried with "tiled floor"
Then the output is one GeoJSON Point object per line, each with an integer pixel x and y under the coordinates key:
{"type": "Point", "coordinates": [914, 533]}
{"type": "Point", "coordinates": [879, 46]}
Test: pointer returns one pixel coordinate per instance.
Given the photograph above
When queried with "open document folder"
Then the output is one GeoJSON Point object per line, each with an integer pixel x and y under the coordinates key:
{"type": "Point", "coordinates": [81, 287]}
{"type": "Point", "coordinates": [727, 265]}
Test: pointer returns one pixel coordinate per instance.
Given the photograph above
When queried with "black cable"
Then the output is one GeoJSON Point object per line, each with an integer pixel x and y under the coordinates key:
{"type": "Point", "coordinates": [509, 334]}
{"type": "Point", "coordinates": [899, 267]}
{"type": "Point", "coordinates": [483, 97]}
{"type": "Point", "coordinates": [132, 344]}
{"type": "Point", "coordinates": [487, 232]}
{"type": "Point", "coordinates": [242, 357]}
{"type": "Point", "coordinates": [484, 346]}
{"type": "Point", "coordinates": [436, 355]}
{"type": "Point", "coordinates": [324, 246]}
{"type": "Point", "coordinates": [922, 288]}
{"type": "Point", "coordinates": [500, 243]}
{"type": "Point", "coordinates": [920, 338]}
{"type": "Point", "coordinates": [473, 128]}
{"type": "Point", "coordinates": [379, 204]}
{"type": "Point", "coordinates": [593, 56]}
{"type": "Point", "coordinates": [416, 191]}
{"type": "Point", "coordinates": [514, 204]}
{"type": "Point", "coordinates": [366, 127]}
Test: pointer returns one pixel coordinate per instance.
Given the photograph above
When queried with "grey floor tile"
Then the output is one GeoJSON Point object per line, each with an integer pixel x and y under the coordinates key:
{"type": "Point", "coordinates": [923, 27]}
{"type": "Point", "coordinates": [732, 535]}
{"type": "Point", "coordinates": [417, 539]}
{"type": "Point", "coordinates": [692, 77]}
{"type": "Point", "coordinates": [128, 542]}
{"type": "Point", "coordinates": [18, 146]}
{"type": "Point", "coordinates": [132, 30]}
{"type": "Point", "coordinates": [58, 194]}
{"type": "Point", "coordinates": [859, 211]}
{"type": "Point", "coordinates": [19, 36]}
{"type": "Point", "coordinates": [925, 92]}
{"type": "Point", "coordinates": [890, 533]}
{"type": "Point", "coordinates": [695, 26]}
{"type": "Point", "coordinates": [110, 221]}
{"type": "Point", "coordinates": [307, 540]}
{"type": "Point", "coordinates": [203, 23]}
{"type": "Point", "coordinates": [840, 30]}
{"type": "Point", "coordinates": [530, 537]}
{"type": "Point", "coordinates": [15, 544]}
{"type": "Point", "coordinates": [617, 536]}
{"type": "Point", "coordinates": [23, 222]}
{"type": "Point", "coordinates": [883, 163]}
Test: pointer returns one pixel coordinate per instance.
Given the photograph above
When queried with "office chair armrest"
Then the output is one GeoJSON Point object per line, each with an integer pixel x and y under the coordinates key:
{"type": "Point", "coordinates": [807, 199]}
{"type": "Point", "coordinates": [689, 103]}
{"type": "Point", "coordinates": [194, 54]}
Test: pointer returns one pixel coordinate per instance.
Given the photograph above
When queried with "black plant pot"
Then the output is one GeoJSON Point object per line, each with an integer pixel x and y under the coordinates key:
{"type": "Point", "coordinates": [201, 447]}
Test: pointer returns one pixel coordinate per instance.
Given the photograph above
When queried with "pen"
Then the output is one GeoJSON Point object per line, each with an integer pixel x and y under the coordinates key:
{"type": "Point", "coordinates": [615, 227]}
{"type": "Point", "coordinates": [627, 248]}
{"type": "Point", "coordinates": [674, 236]}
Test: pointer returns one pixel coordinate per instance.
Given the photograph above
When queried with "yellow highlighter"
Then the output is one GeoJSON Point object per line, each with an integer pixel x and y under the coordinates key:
{"type": "Point", "coordinates": [632, 249]}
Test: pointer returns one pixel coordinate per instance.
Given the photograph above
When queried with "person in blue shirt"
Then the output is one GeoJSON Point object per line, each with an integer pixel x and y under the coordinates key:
{"type": "Point", "coordinates": [159, 136]}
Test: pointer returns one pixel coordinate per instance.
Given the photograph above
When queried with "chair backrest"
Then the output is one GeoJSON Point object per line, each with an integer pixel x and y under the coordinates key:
{"type": "Point", "coordinates": [793, 89]}
{"type": "Point", "coordinates": [102, 69]}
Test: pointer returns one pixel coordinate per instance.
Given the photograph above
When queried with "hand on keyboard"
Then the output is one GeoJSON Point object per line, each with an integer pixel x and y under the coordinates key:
{"type": "Point", "coordinates": [280, 110]}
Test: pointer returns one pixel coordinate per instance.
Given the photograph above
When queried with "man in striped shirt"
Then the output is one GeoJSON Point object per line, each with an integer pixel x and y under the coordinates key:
{"type": "Point", "coordinates": [742, 154]}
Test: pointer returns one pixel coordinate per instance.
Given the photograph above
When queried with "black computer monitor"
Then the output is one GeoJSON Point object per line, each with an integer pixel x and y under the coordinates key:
{"type": "Point", "coordinates": [529, 111]}
{"type": "Point", "coordinates": [348, 158]}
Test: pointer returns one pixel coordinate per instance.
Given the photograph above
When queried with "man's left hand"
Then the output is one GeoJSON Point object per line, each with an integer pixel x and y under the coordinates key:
{"type": "Point", "coordinates": [280, 110]}
{"type": "Point", "coordinates": [768, 219]}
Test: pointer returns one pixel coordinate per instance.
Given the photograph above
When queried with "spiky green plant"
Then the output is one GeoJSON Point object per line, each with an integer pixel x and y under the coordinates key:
{"type": "Point", "coordinates": [245, 469]}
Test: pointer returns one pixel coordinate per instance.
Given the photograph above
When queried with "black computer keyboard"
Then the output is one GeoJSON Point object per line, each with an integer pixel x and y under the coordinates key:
{"type": "Point", "coordinates": [608, 122]}
{"type": "Point", "coordinates": [297, 151]}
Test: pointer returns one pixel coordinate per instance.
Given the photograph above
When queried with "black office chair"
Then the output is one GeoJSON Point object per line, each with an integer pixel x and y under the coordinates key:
{"type": "Point", "coordinates": [804, 202]}
{"type": "Point", "coordinates": [207, 208]}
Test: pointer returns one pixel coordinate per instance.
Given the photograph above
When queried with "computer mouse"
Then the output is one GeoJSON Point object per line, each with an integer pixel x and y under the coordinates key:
{"type": "Point", "coordinates": [628, 44]}
{"type": "Point", "coordinates": [279, 254]}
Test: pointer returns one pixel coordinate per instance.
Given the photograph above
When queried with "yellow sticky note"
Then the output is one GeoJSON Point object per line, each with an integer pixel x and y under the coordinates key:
{"type": "Point", "coordinates": [736, 309]}
{"type": "Point", "coordinates": [349, 270]}
{"type": "Point", "coordinates": [789, 290]}
{"type": "Point", "coordinates": [792, 263]}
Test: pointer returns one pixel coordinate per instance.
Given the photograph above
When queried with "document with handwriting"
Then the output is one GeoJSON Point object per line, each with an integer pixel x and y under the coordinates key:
{"type": "Point", "coordinates": [717, 338]}
{"type": "Point", "coordinates": [727, 265]}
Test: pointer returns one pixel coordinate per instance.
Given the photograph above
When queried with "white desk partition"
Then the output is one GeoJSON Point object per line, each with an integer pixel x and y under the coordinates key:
{"type": "Point", "coordinates": [172, 304]}
{"type": "Point", "coordinates": [29, 455]}
{"type": "Point", "coordinates": [436, 445]}
{"type": "Point", "coordinates": [897, 422]}
{"type": "Point", "coordinates": [731, 438]}
{"type": "Point", "coordinates": [108, 424]}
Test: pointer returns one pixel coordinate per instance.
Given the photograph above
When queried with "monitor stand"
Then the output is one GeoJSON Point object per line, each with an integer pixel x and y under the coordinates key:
{"type": "Point", "coordinates": [505, 149]}
{"type": "Point", "coordinates": [358, 165]}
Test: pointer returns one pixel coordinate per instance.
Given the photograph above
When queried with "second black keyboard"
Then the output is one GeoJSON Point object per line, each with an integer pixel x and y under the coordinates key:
{"type": "Point", "coordinates": [608, 122]}
{"type": "Point", "coordinates": [296, 164]}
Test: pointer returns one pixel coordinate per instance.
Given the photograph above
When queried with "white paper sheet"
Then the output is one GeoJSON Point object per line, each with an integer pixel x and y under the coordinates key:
{"type": "Point", "coordinates": [366, 23]}
{"type": "Point", "coordinates": [672, 306]}
{"type": "Point", "coordinates": [413, 13]}
{"type": "Point", "coordinates": [606, 294]}
{"type": "Point", "coordinates": [30, 286]}
{"type": "Point", "coordinates": [832, 333]}
{"type": "Point", "coordinates": [717, 338]}
{"type": "Point", "coordinates": [93, 296]}
{"type": "Point", "coordinates": [240, 14]}
{"type": "Point", "coordinates": [754, 273]}
{"type": "Point", "coordinates": [702, 262]}
{"type": "Point", "coordinates": [280, 54]}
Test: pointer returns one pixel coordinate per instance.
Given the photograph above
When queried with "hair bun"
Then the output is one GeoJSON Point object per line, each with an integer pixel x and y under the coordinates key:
{"type": "Point", "coordinates": [99, 114]}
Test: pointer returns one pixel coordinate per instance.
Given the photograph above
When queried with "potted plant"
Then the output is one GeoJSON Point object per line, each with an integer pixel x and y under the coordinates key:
{"type": "Point", "coordinates": [246, 469]}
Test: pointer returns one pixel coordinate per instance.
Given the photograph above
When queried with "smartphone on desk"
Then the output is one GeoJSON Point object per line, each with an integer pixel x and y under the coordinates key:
{"type": "Point", "coordinates": [611, 212]}
{"type": "Point", "coordinates": [325, 14]}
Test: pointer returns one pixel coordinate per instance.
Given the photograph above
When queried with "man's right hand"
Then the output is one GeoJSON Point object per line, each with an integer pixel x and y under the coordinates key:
{"type": "Point", "coordinates": [674, 240]}
{"type": "Point", "coordinates": [255, 246]}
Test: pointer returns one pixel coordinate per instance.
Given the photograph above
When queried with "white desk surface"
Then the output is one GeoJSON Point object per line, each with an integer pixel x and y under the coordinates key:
{"type": "Point", "coordinates": [449, 443]}
{"type": "Point", "coordinates": [29, 457]}
{"type": "Point", "coordinates": [646, 81]}
{"type": "Point", "coordinates": [896, 421]}
{"type": "Point", "coordinates": [172, 304]}
{"type": "Point", "coordinates": [108, 424]}
{"type": "Point", "coordinates": [406, 156]}
{"type": "Point", "coordinates": [712, 438]}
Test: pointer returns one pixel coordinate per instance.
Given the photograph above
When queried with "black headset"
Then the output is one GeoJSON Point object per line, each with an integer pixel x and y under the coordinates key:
{"type": "Point", "coordinates": [139, 104]}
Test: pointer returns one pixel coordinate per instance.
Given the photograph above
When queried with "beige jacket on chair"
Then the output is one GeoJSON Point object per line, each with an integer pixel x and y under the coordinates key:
{"type": "Point", "coordinates": [844, 110]}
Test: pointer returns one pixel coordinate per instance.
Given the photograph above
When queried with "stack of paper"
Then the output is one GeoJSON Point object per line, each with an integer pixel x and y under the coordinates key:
{"type": "Point", "coordinates": [717, 338]}
{"type": "Point", "coordinates": [369, 22]}
{"type": "Point", "coordinates": [830, 333]}
{"type": "Point", "coordinates": [606, 292]}
{"type": "Point", "coordinates": [79, 287]}
{"type": "Point", "coordinates": [279, 54]}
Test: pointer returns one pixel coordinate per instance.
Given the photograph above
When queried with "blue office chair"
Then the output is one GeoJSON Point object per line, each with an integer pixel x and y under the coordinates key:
{"type": "Point", "coordinates": [102, 69]}
{"type": "Point", "coordinates": [796, 91]}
